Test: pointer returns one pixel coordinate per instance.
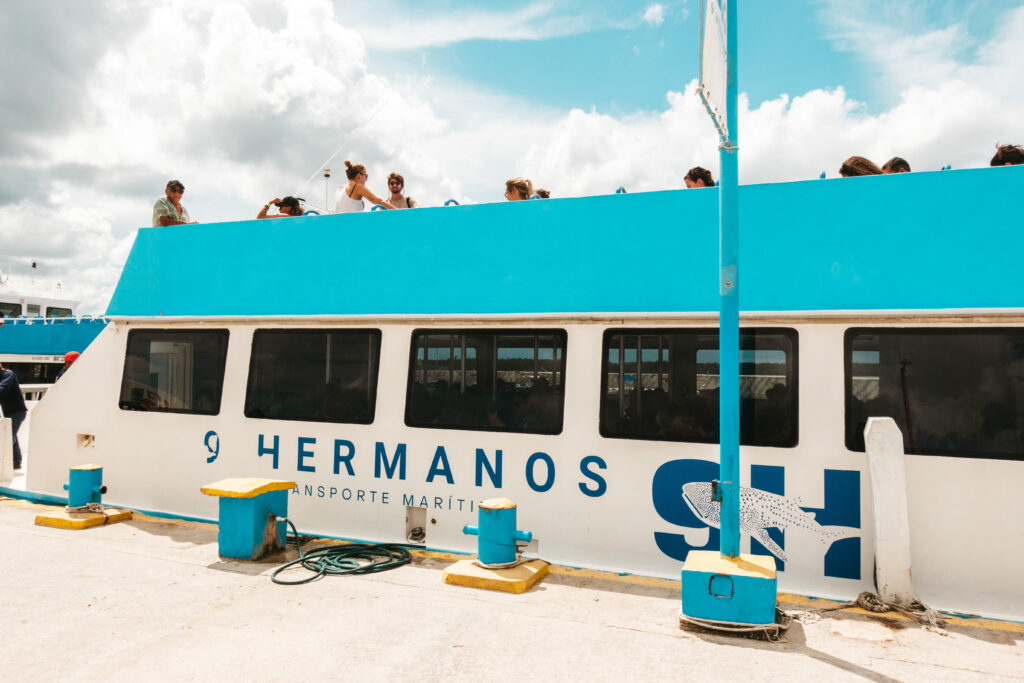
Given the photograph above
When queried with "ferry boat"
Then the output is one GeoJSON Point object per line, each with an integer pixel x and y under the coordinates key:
{"type": "Point", "coordinates": [401, 367]}
{"type": "Point", "coordinates": [37, 328]}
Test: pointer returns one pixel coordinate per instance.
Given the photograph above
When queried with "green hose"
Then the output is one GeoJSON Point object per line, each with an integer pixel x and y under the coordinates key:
{"type": "Point", "coordinates": [354, 558]}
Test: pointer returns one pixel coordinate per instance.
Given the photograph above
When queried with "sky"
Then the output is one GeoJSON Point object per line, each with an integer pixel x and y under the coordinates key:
{"type": "Point", "coordinates": [104, 101]}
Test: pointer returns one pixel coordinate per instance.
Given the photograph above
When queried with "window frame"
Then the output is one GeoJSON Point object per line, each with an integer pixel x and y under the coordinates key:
{"type": "Point", "coordinates": [497, 332]}
{"type": "Point", "coordinates": [221, 332]}
{"type": "Point", "coordinates": [373, 372]}
{"type": "Point", "coordinates": [789, 332]}
{"type": "Point", "coordinates": [848, 336]}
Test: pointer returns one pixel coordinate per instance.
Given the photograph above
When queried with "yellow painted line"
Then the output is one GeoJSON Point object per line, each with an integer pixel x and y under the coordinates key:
{"type": "Point", "coordinates": [62, 519]}
{"type": "Point", "coordinates": [516, 579]}
{"type": "Point", "coordinates": [245, 487]}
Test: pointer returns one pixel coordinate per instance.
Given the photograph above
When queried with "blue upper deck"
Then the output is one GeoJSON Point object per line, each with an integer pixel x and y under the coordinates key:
{"type": "Point", "coordinates": [48, 336]}
{"type": "Point", "coordinates": [940, 240]}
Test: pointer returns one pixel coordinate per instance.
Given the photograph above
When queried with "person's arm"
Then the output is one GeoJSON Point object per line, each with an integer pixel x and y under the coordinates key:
{"type": "Point", "coordinates": [364, 193]}
{"type": "Point", "coordinates": [266, 207]}
{"type": "Point", "coordinates": [167, 220]}
{"type": "Point", "coordinates": [6, 381]}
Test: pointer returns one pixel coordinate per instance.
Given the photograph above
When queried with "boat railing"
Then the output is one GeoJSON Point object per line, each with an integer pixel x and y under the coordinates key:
{"type": "Point", "coordinates": [40, 320]}
{"type": "Point", "coordinates": [34, 392]}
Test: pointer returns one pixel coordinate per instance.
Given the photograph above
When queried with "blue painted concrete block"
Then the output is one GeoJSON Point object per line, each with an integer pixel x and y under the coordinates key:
{"type": "Point", "coordinates": [247, 530]}
{"type": "Point", "coordinates": [740, 590]}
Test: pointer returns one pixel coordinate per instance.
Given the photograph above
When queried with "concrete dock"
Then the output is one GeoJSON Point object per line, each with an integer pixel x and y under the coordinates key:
{"type": "Point", "coordinates": [150, 599]}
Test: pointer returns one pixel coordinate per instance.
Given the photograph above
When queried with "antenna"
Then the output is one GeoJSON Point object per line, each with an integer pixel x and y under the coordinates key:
{"type": "Point", "coordinates": [327, 178]}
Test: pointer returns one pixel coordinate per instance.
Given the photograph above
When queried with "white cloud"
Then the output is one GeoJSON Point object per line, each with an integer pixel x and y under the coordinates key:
{"type": "Point", "coordinates": [655, 14]}
{"type": "Point", "coordinates": [405, 30]}
{"type": "Point", "coordinates": [242, 100]}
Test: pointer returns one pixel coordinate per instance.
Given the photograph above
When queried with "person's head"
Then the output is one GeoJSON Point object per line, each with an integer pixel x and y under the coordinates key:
{"type": "Point", "coordinates": [396, 183]}
{"type": "Point", "coordinates": [896, 165]}
{"type": "Point", "coordinates": [290, 206]}
{"type": "Point", "coordinates": [855, 166]}
{"type": "Point", "coordinates": [698, 177]}
{"type": "Point", "coordinates": [70, 357]}
{"type": "Point", "coordinates": [543, 194]}
{"type": "Point", "coordinates": [517, 189]}
{"type": "Point", "coordinates": [1008, 155]}
{"type": "Point", "coordinates": [353, 171]}
{"type": "Point", "coordinates": [174, 189]}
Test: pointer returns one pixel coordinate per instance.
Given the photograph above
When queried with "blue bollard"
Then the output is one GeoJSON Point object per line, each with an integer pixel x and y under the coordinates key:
{"type": "Point", "coordinates": [496, 533]}
{"type": "Point", "coordinates": [85, 485]}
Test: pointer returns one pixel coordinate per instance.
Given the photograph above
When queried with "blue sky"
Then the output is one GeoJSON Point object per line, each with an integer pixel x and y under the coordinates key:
{"type": "Point", "coordinates": [621, 63]}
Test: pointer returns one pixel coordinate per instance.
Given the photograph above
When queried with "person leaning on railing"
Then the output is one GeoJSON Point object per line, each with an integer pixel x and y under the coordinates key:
{"type": "Point", "coordinates": [349, 198]}
{"type": "Point", "coordinates": [168, 210]}
{"type": "Point", "coordinates": [287, 208]}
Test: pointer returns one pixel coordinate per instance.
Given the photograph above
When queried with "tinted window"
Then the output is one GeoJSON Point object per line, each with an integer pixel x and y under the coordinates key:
{"type": "Point", "coordinates": [951, 391]}
{"type": "Point", "coordinates": [663, 384]}
{"type": "Point", "coordinates": [313, 375]}
{"type": "Point", "coordinates": [174, 371]}
{"type": "Point", "coordinates": [509, 381]}
{"type": "Point", "coordinates": [54, 312]}
{"type": "Point", "coordinates": [8, 310]}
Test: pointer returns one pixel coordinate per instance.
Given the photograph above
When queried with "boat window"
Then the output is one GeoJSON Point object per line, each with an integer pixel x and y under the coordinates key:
{"type": "Point", "coordinates": [55, 312]}
{"type": "Point", "coordinates": [174, 371]}
{"type": "Point", "coordinates": [952, 391]}
{"type": "Point", "coordinates": [313, 375]}
{"type": "Point", "coordinates": [8, 310]}
{"type": "Point", "coordinates": [663, 385]}
{"type": "Point", "coordinates": [507, 380]}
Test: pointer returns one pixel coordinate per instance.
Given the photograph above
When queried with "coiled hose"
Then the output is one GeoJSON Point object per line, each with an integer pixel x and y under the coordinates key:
{"type": "Point", "coordinates": [353, 558]}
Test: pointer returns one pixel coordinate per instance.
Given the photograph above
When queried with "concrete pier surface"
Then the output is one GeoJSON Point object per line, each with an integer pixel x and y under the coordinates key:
{"type": "Point", "coordinates": [150, 599]}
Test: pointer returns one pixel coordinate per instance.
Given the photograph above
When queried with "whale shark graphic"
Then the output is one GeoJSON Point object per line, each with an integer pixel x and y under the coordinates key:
{"type": "Point", "coordinates": [760, 510]}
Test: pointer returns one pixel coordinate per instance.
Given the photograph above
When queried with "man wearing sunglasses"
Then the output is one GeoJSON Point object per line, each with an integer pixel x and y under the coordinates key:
{"type": "Point", "coordinates": [169, 210]}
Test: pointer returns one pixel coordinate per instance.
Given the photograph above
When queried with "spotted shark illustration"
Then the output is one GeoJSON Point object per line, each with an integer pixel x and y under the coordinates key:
{"type": "Point", "coordinates": [759, 511]}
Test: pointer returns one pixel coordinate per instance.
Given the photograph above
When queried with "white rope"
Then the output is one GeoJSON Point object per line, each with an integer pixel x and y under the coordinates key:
{"type": "Point", "coordinates": [917, 610]}
{"type": "Point", "coordinates": [347, 140]}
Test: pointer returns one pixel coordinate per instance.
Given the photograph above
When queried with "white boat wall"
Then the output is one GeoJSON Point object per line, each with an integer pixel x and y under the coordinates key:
{"type": "Point", "coordinates": [405, 366]}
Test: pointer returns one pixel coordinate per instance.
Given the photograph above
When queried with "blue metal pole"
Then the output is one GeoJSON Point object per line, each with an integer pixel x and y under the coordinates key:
{"type": "Point", "coordinates": [729, 308]}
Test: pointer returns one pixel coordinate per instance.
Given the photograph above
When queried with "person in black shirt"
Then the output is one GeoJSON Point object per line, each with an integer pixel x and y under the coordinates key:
{"type": "Point", "coordinates": [12, 402]}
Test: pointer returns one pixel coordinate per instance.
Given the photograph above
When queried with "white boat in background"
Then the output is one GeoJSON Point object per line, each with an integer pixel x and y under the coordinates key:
{"type": "Point", "coordinates": [403, 366]}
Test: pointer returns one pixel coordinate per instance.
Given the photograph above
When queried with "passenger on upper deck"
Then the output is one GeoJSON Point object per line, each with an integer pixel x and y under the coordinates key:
{"type": "Point", "coordinates": [349, 198]}
{"type": "Point", "coordinates": [287, 207]}
{"type": "Point", "coordinates": [855, 166]}
{"type": "Point", "coordinates": [1008, 155]}
{"type": "Point", "coordinates": [518, 189]}
{"type": "Point", "coordinates": [168, 210]}
{"type": "Point", "coordinates": [896, 165]}
{"type": "Point", "coordinates": [698, 177]}
{"type": "Point", "coordinates": [396, 184]}
{"type": "Point", "coordinates": [543, 194]}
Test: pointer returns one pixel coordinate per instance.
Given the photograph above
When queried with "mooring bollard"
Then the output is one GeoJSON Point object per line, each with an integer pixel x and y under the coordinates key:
{"type": "Point", "coordinates": [497, 566]}
{"type": "Point", "coordinates": [85, 486]}
{"type": "Point", "coordinates": [496, 533]}
{"type": "Point", "coordinates": [85, 502]}
{"type": "Point", "coordinates": [251, 516]}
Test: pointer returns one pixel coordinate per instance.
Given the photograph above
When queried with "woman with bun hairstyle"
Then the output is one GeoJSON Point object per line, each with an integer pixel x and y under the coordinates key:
{"type": "Point", "coordinates": [349, 198]}
{"type": "Point", "coordinates": [858, 166]}
{"type": "Point", "coordinates": [518, 189]}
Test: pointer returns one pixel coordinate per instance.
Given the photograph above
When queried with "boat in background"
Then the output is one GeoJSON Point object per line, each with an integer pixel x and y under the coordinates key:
{"type": "Point", "coordinates": [37, 327]}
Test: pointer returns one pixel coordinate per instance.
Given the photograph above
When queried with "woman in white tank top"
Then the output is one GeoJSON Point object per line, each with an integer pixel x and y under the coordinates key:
{"type": "Point", "coordinates": [349, 198]}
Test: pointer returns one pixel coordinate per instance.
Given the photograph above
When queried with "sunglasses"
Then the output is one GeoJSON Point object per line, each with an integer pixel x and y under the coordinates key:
{"type": "Point", "coordinates": [178, 190]}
